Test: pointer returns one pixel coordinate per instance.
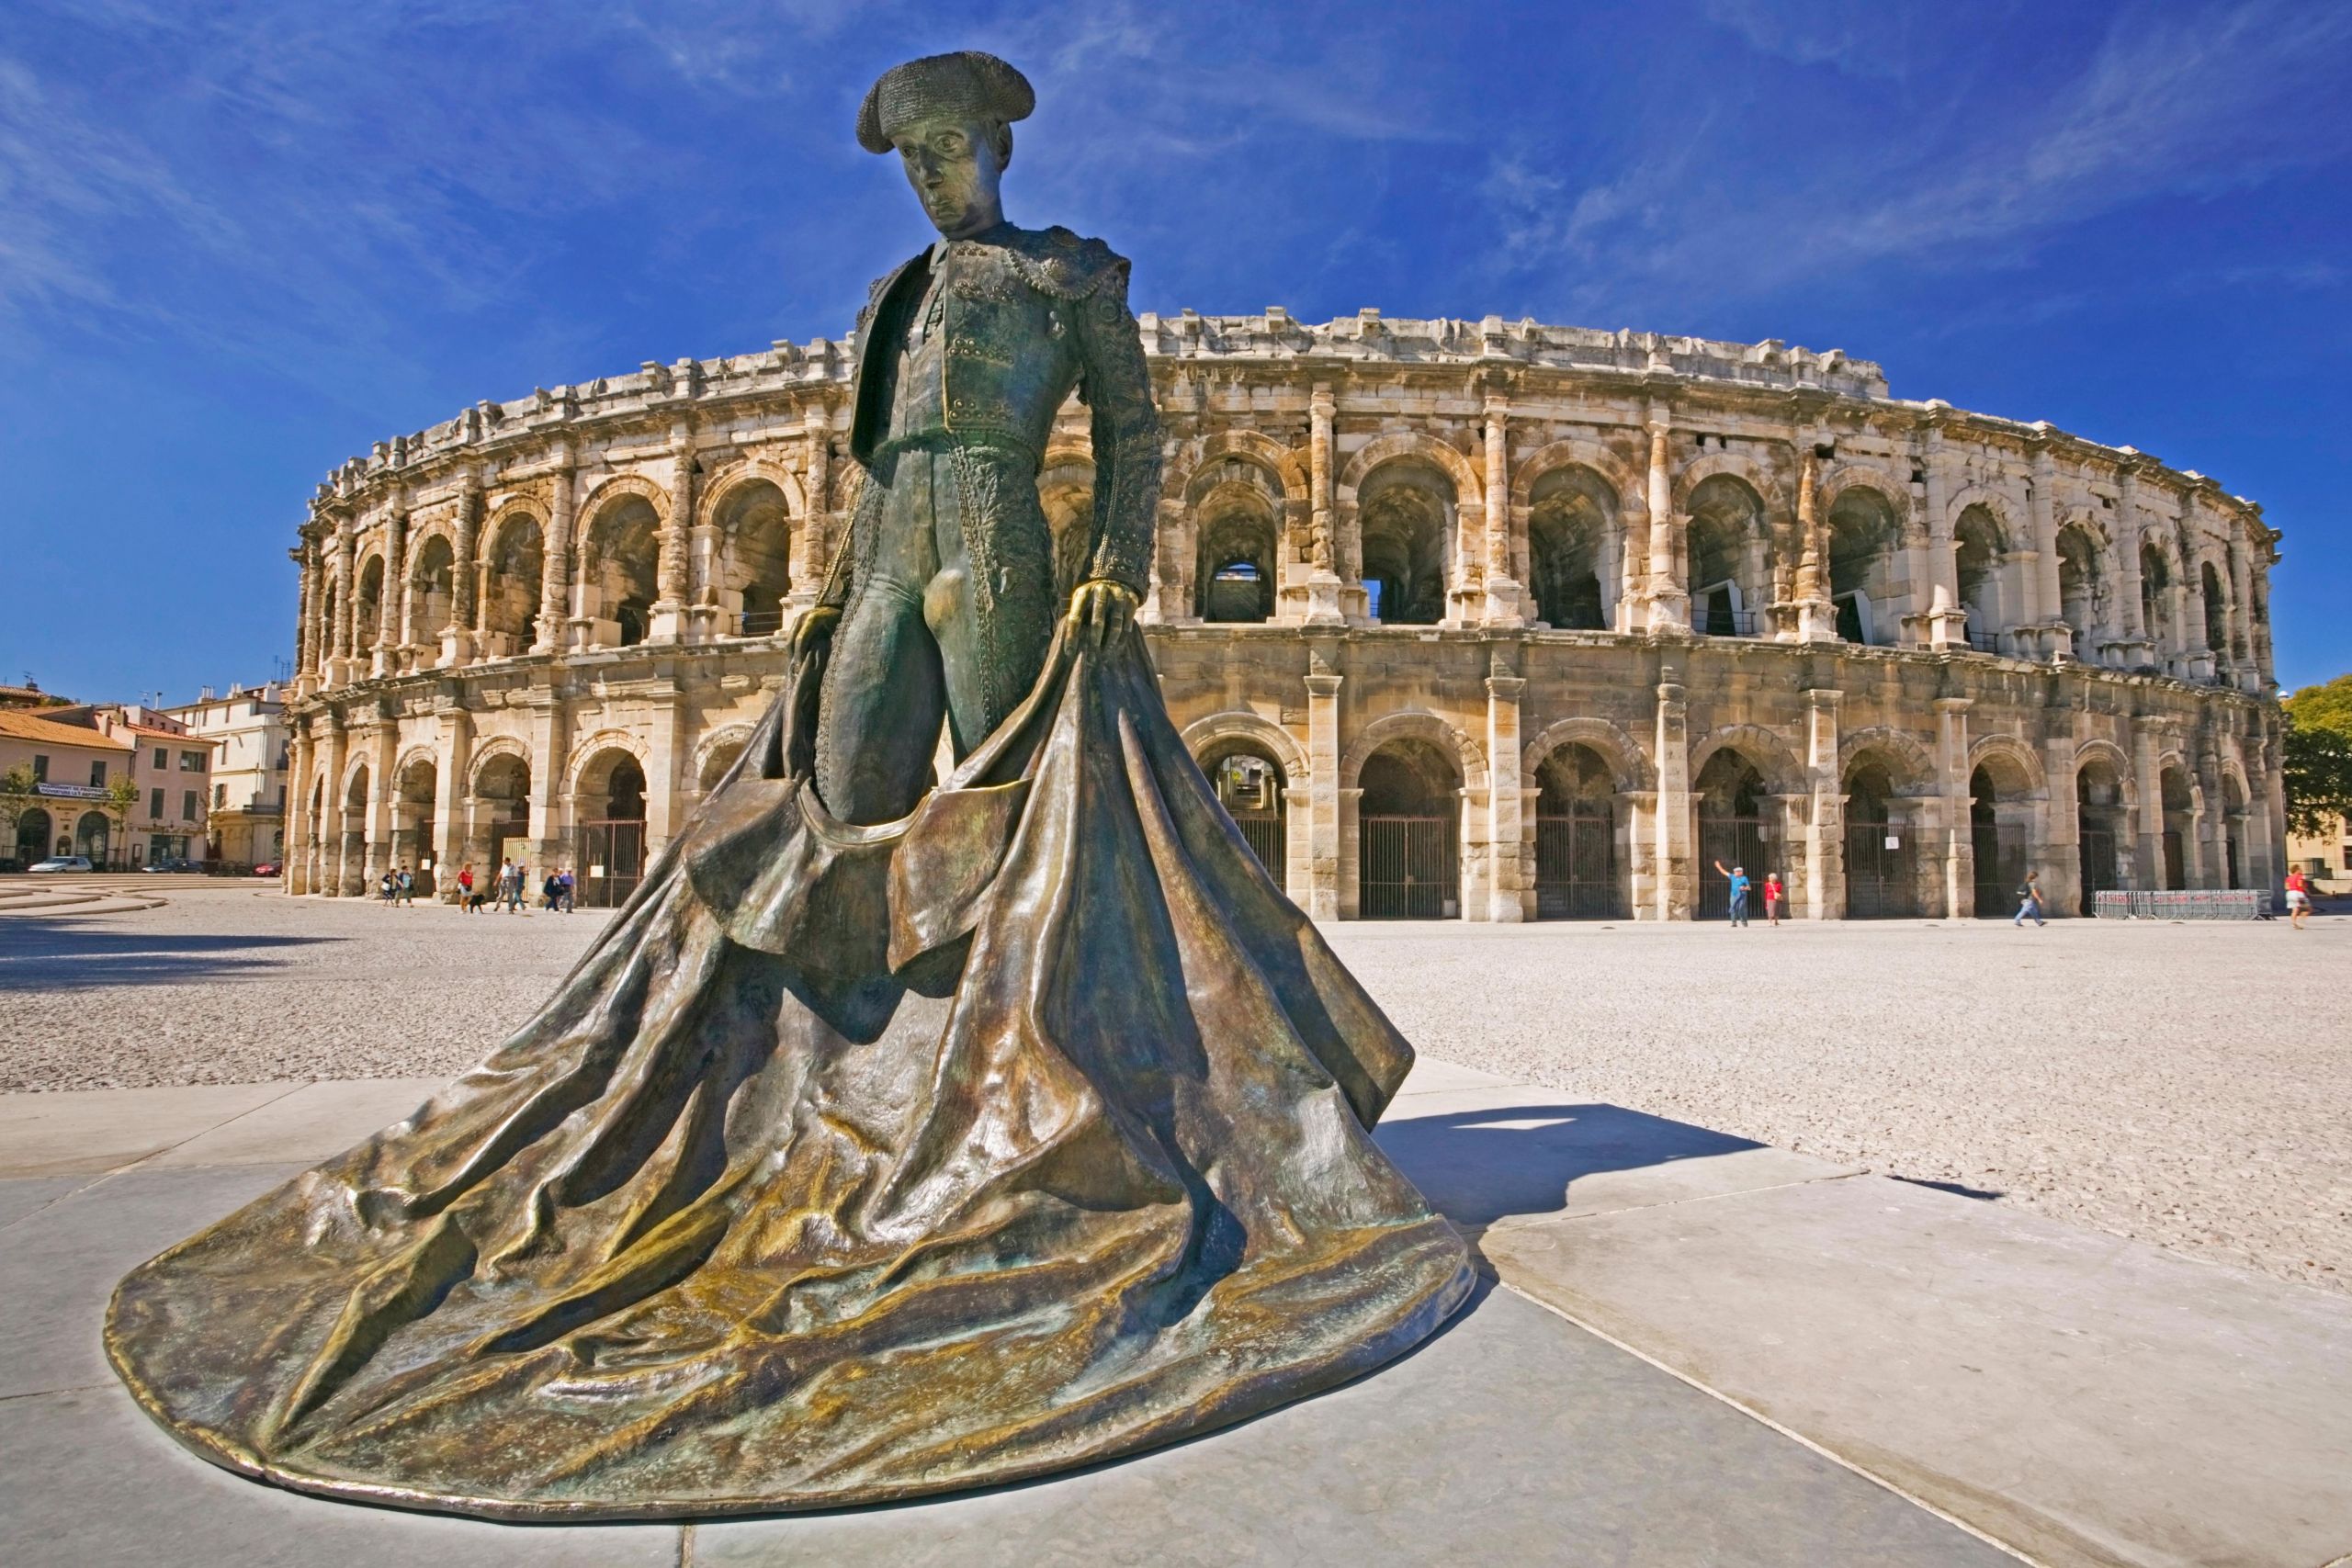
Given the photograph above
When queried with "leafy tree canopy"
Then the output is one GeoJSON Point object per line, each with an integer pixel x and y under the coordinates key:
{"type": "Point", "coordinates": [2328, 706]}
{"type": "Point", "coordinates": [2316, 767]}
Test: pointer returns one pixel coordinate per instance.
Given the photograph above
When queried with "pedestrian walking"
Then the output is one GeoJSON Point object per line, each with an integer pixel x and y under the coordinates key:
{"type": "Point", "coordinates": [2029, 903]}
{"type": "Point", "coordinates": [386, 889]}
{"type": "Point", "coordinates": [2299, 899]}
{"type": "Point", "coordinates": [1772, 897]}
{"type": "Point", "coordinates": [466, 889]}
{"type": "Point", "coordinates": [1738, 875]}
{"type": "Point", "coordinates": [564, 878]}
{"type": "Point", "coordinates": [404, 887]}
{"type": "Point", "coordinates": [517, 875]}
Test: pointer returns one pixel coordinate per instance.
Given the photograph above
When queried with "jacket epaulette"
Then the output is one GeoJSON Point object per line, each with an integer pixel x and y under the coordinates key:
{"type": "Point", "coordinates": [1059, 263]}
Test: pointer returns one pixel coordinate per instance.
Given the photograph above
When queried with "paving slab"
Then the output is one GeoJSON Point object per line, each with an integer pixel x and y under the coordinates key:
{"type": "Point", "coordinates": [314, 1122]}
{"type": "Point", "coordinates": [2088, 1400]}
{"type": "Point", "coordinates": [1431, 1075]}
{"type": "Point", "coordinates": [30, 1194]}
{"type": "Point", "coordinates": [89, 1130]}
{"type": "Point", "coordinates": [1513, 1153]}
{"type": "Point", "coordinates": [1513, 1437]}
{"type": "Point", "coordinates": [91, 1481]}
{"type": "Point", "coordinates": [58, 1267]}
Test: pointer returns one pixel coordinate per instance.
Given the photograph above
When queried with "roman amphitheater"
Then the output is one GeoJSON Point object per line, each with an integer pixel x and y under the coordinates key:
{"type": "Point", "coordinates": [1488, 621]}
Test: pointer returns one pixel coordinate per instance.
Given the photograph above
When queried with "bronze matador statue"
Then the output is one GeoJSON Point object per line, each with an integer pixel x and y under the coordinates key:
{"type": "Point", "coordinates": [901, 1133]}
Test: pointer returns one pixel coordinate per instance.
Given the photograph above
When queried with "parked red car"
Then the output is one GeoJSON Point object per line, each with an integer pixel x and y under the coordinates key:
{"type": "Point", "coordinates": [268, 868]}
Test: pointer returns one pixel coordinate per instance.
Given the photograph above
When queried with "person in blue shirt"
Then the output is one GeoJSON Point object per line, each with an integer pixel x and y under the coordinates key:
{"type": "Point", "coordinates": [1738, 875]}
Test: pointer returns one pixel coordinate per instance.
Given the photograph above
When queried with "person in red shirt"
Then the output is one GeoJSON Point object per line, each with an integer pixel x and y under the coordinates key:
{"type": "Point", "coordinates": [1772, 897]}
{"type": "Point", "coordinates": [2299, 899]}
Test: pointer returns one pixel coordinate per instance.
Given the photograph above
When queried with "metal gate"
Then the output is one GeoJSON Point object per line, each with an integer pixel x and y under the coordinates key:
{"type": "Point", "coordinates": [2097, 854]}
{"type": "Point", "coordinates": [607, 861]}
{"type": "Point", "coordinates": [1738, 842]}
{"type": "Point", "coordinates": [1262, 831]}
{"type": "Point", "coordinates": [1575, 867]}
{"type": "Point", "coordinates": [2000, 868]}
{"type": "Point", "coordinates": [1881, 884]}
{"type": "Point", "coordinates": [1408, 868]}
{"type": "Point", "coordinates": [2175, 862]}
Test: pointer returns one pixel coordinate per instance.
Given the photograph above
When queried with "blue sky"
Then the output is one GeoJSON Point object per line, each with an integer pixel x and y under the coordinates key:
{"type": "Point", "coordinates": [240, 241]}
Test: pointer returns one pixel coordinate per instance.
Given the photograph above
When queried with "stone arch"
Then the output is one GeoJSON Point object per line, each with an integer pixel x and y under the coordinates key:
{"type": "Point", "coordinates": [1417, 724]}
{"type": "Point", "coordinates": [1865, 526]}
{"type": "Point", "coordinates": [1400, 524]}
{"type": "Point", "coordinates": [1727, 548]}
{"type": "Point", "coordinates": [717, 750]}
{"type": "Point", "coordinates": [1907, 762]}
{"type": "Point", "coordinates": [1236, 516]}
{"type": "Point", "coordinates": [754, 513]}
{"type": "Point", "coordinates": [1995, 501]}
{"type": "Point", "coordinates": [1582, 452]}
{"type": "Point", "coordinates": [372, 583]}
{"type": "Point", "coordinates": [1288, 466]}
{"type": "Point", "coordinates": [1381, 450]}
{"type": "Point", "coordinates": [410, 756]}
{"type": "Point", "coordinates": [1769, 490]}
{"type": "Point", "coordinates": [609, 491]}
{"type": "Point", "coordinates": [1757, 746]}
{"type": "Point", "coordinates": [1237, 725]}
{"type": "Point", "coordinates": [2118, 763]}
{"type": "Point", "coordinates": [433, 584]}
{"type": "Point", "coordinates": [1568, 545]}
{"type": "Point", "coordinates": [2007, 754]}
{"type": "Point", "coordinates": [490, 750]}
{"type": "Point", "coordinates": [717, 487]}
{"type": "Point", "coordinates": [594, 746]}
{"type": "Point", "coordinates": [1628, 765]}
{"type": "Point", "coordinates": [358, 768]}
{"type": "Point", "coordinates": [1833, 482]}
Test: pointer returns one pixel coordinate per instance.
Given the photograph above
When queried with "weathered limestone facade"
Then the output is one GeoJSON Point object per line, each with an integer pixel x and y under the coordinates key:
{"type": "Point", "coordinates": [1501, 621]}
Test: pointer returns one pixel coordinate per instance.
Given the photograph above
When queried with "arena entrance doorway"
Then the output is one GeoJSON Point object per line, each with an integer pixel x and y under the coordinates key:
{"type": "Point", "coordinates": [1882, 863]}
{"type": "Point", "coordinates": [2098, 815]}
{"type": "Point", "coordinates": [1576, 838]}
{"type": "Point", "coordinates": [1408, 859]}
{"type": "Point", "coordinates": [2000, 837]}
{"type": "Point", "coordinates": [608, 850]}
{"type": "Point", "coordinates": [1732, 829]}
{"type": "Point", "coordinates": [1249, 786]}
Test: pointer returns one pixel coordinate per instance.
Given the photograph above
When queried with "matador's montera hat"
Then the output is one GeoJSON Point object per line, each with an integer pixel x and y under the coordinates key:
{"type": "Point", "coordinates": [964, 86]}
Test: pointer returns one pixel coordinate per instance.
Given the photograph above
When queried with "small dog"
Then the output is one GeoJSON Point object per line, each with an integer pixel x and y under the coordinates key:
{"type": "Point", "coordinates": [475, 901]}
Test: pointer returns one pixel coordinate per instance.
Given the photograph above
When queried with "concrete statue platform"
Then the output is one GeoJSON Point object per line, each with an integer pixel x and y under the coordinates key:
{"type": "Point", "coordinates": [1696, 1349]}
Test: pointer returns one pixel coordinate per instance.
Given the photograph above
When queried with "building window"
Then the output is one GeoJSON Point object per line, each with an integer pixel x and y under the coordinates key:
{"type": "Point", "coordinates": [163, 759]}
{"type": "Point", "coordinates": [155, 803]}
{"type": "Point", "coordinates": [220, 795]}
{"type": "Point", "coordinates": [98, 776]}
{"type": "Point", "coordinates": [191, 761]}
{"type": "Point", "coordinates": [41, 767]}
{"type": "Point", "coordinates": [189, 809]}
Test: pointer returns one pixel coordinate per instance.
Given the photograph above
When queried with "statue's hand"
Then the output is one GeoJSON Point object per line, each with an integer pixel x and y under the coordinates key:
{"type": "Point", "coordinates": [814, 630]}
{"type": "Point", "coordinates": [1100, 611]}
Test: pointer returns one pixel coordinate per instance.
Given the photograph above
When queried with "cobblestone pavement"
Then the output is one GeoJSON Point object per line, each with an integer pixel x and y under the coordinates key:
{"type": "Point", "coordinates": [2187, 1085]}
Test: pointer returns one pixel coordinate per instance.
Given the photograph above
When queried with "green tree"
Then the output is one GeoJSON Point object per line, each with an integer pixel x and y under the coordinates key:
{"type": "Point", "coordinates": [2328, 706]}
{"type": "Point", "coordinates": [19, 792]}
{"type": "Point", "coordinates": [2316, 767]}
{"type": "Point", "coordinates": [121, 799]}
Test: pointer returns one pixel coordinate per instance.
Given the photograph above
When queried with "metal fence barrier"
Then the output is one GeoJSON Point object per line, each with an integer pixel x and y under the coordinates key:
{"type": "Point", "coordinates": [2198, 904]}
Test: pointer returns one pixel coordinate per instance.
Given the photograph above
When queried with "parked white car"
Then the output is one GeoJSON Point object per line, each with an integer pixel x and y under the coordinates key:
{"type": "Point", "coordinates": [61, 862]}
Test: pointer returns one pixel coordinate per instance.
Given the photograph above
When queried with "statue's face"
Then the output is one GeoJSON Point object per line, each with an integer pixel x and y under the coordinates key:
{"type": "Point", "coordinates": [953, 165]}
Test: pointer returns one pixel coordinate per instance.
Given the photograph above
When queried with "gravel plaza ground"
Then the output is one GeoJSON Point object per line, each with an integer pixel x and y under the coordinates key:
{"type": "Point", "coordinates": [2184, 1084]}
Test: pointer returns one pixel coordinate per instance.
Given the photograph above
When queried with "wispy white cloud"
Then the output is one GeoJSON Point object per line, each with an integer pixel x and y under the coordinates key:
{"type": "Point", "coordinates": [2181, 104]}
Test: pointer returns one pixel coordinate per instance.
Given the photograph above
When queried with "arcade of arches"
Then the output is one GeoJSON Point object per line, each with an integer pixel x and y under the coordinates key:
{"type": "Point", "coordinates": [1470, 621]}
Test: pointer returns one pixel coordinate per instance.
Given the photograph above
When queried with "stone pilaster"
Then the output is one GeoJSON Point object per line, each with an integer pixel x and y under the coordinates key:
{"type": "Point", "coordinates": [551, 786]}
{"type": "Point", "coordinates": [1811, 617]}
{"type": "Point", "coordinates": [334, 875]}
{"type": "Point", "coordinates": [1506, 601]}
{"type": "Point", "coordinates": [453, 761]}
{"type": "Point", "coordinates": [668, 613]}
{"type": "Point", "coordinates": [1327, 594]}
{"type": "Point", "coordinates": [1958, 829]}
{"type": "Point", "coordinates": [1666, 602]}
{"type": "Point", "coordinates": [2136, 646]}
{"type": "Point", "coordinates": [1676, 875]}
{"type": "Point", "coordinates": [2057, 637]}
{"type": "Point", "coordinates": [458, 637]}
{"type": "Point", "coordinates": [665, 769]}
{"type": "Point", "coordinates": [2059, 842]}
{"type": "Point", "coordinates": [346, 602]}
{"type": "Point", "coordinates": [1511, 888]}
{"type": "Point", "coordinates": [555, 579]}
{"type": "Point", "coordinates": [1322, 783]}
{"type": "Point", "coordinates": [1825, 829]}
{"type": "Point", "coordinates": [392, 624]}
{"type": "Point", "coordinates": [2147, 829]}
{"type": "Point", "coordinates": [1944, 626]}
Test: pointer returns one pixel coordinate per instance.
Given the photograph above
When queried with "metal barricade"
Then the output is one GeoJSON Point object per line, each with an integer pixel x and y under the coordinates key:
{"type": "Point", "coordinates": [2186, 904]}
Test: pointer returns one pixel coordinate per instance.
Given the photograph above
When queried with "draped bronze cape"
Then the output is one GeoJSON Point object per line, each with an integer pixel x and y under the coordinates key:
{"type": "Point", "coordinates": [850, 1164]}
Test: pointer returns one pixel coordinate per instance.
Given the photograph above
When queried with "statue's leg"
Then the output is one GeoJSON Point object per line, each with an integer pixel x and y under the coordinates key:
{"type": "Point", "coordinates": [993, 634]}
{"type": "Point", "coordinates": [883, 693]}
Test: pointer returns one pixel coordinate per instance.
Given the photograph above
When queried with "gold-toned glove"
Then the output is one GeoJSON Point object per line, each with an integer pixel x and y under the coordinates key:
{"type": "Point", "coordinates": [1101, 610]}
{"type": "Point", "coordinates": [814, 630]}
